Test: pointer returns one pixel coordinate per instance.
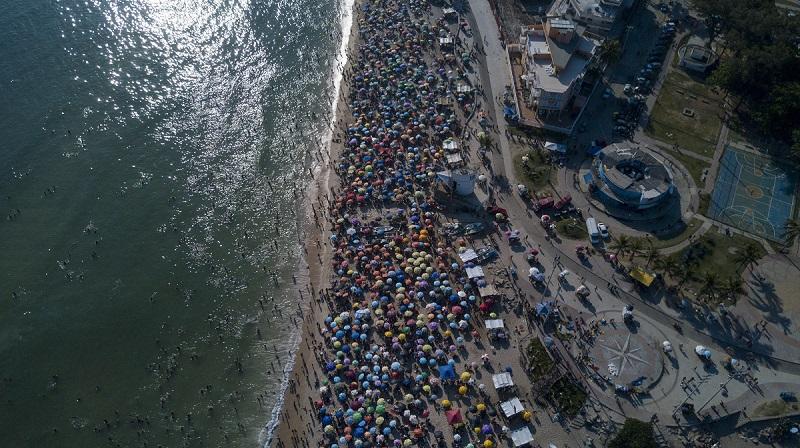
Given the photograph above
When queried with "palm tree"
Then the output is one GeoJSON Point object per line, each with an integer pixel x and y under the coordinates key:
{"type": "Point", "coordinates": [792, 230]}
{"type": "Point", "coordinates": [635, 248]}
{"type": "Point", "coordinates": [652, 255]}
{"type": "Point", "coordinates": [683, 273]}
{"type": "Point", "coordinates": [733, 287]}
{"type": "Point", "coordinates": [609, 52]}
{"type": "Point", "coordinates": [748, 255]}
{"type": "Point", "coordinates": [710, 282]}
{"type": "Point", "coordinates": [620, 244]}
{"type": "Point", "coordinates": [666, 265]}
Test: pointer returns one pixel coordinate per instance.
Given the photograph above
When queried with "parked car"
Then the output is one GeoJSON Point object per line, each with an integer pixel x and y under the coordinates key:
{"type": "Point", "coordinates": [603, 230]}
{"type": "Point", "coordinates": [628, 89]}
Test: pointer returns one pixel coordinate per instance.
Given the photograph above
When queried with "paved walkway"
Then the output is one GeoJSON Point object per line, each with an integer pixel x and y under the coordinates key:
{"type": "Point", "coordinates": [600, 277]}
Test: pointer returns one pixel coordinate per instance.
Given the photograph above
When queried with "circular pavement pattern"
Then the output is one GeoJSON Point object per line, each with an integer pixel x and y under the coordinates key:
{"type": "Point", "coordinates": [626, 357]}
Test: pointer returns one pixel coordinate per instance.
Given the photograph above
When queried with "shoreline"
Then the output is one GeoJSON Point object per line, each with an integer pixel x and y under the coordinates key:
{"type": "Point", "coordinates": [313, 228]}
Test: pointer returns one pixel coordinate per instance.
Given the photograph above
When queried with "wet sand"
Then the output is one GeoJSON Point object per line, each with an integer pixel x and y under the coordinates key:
{"type": "Point", "coordinates": [297, 425]}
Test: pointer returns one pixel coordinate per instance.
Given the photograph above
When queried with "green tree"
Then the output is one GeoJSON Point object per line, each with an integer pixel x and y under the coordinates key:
{"type": "Point", "coordinates": [733, 287]}
{"type": "Point", "coordinates": [634, 434]}
{"type": "Point", "coordinates": [609, 52]}
{"type": "Point", "coordinates": [709, 285]}
{"type": "Point", "coordinates": [652, 255]}
{"type": "Point", "coordinates": [748, 255]}
{"type": "Point", "coordinates": [635, 248]}
{"type": "Point", "coordinates": [620, 245]}
{"type": "Point", "coordinates": [667, 265]}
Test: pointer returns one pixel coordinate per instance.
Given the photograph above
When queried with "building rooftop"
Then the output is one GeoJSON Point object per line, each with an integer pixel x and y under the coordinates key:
{"type": "Point", "coordinates": [636, 169]}
{"type": "Point", "coordinates": [555, 65]}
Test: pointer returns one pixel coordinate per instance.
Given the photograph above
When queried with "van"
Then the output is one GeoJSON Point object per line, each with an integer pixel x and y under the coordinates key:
{"type": "Point", "coordinates": [594, 232]}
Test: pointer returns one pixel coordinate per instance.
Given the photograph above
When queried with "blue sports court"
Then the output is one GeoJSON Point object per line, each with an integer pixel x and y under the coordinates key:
{"type": "Point", "coordinates": [752, 193]}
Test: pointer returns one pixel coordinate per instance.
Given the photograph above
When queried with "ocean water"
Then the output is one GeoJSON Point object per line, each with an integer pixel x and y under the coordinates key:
{"type": "Point", "coordinates": [153, 154]}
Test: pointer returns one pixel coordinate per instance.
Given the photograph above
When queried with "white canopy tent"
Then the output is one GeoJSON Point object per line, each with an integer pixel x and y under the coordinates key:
{"type": "Point", "coordinates": [493, 324]}
{"type": "Point", "coordinates": [476, 272]}
{"type": "Point", "coordinates": [468, 255]}
{"type": "Point", "coordinates": [488, 291]}
{"type": "Point", "coordinates": [454, 159]}
{"type": "Point", "coordinates": [555, 147]}
{"type": "Point", "coordinates": [521, 436]}
{"type": "Point", "coordinates": [502, 380]}
{"type": "Point", "coordinates": [512, 407]}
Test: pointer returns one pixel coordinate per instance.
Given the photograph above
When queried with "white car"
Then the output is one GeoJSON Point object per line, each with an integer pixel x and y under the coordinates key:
{"type": "Point", "coordinates": [603, 230]}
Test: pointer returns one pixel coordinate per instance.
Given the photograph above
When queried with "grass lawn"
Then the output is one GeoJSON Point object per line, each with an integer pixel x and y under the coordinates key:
{"type": "Point", "coordinates": [572, 228]}
{"type": "Point", "coordinates": [568, 397]}
{"type": "Point", "coordinates": [714, 252]}
{"type": "Point", "coordinates": [774, 408]}
{"type": "Point", "coordinates": [537, 175]}
{"type": "Point", "coordinates": [705, 202]}
{"type": "Point", "coordinates": [668, 123]}
{"type": "Point", "coordinates": [681, 233]}
{"type": "Point", "coordinates": [539, 361]}
{"type": "Point", "coordinates": [694, 166]}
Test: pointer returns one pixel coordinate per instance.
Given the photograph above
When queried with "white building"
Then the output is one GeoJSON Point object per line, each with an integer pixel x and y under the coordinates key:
{"type": "Point", "coordinates": [597, 15]}
{"type": "Point", "coordinates": [555, 59]}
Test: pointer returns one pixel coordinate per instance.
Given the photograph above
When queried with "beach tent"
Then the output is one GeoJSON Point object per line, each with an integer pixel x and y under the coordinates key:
{"type": "Point", "coordinates": [468, 255]}
{"type": "Point", "coordinates": [454, 159]}
{"type": "Point", "coordinates": [446, 372]}
{"type": "Point", "coordinates": [512, 407]}
{"type": "Point", "coordinates": [502, 380]}
{"type": "Point", "coordinates": [493, 324]}
{"type": "Point", "coordinates": [555, 147]}
{"type": "Point", "coordinates": [488, 291]}
{"type": "Point", "coordinates": [454, 416]}
{"type": "Point", "coordinates": [475, 272]}
{"type": "Point", "coordinates": [521, 436]}
{"type": "Point", "coordinates": [464, 88]}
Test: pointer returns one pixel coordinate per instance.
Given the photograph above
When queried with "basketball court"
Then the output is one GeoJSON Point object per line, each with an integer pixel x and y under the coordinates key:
{"type": "Point", "coordinates": [752, 193]}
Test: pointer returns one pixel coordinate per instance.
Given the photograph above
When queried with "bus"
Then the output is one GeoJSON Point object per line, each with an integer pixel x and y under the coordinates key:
{"type": "Point", "coordinates": [594, 232]}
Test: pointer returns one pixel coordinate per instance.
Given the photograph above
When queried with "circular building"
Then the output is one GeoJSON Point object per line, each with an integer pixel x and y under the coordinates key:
{"type": "Point", "coordinates": [696, 58]}
{"type": "Point", "coordinates": [630, 178]}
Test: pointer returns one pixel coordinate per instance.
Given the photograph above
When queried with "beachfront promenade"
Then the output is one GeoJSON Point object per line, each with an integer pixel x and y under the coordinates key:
{"type": "Point", "coordinates": [397, 351]}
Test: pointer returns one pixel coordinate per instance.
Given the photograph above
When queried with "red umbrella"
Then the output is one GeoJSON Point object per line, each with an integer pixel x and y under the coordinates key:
{"type": "Point", "coordinates": [454, 416]}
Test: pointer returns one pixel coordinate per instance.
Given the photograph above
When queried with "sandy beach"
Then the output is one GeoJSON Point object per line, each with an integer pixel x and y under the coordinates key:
{"type": "Point", "coordinates": [294, 412]}
{"type": "Point", "coordinates": [379, 265]}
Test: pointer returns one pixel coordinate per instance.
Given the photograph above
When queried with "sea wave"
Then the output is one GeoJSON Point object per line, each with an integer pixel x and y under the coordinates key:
{"type": "Point", "coordinates": [346, 16]}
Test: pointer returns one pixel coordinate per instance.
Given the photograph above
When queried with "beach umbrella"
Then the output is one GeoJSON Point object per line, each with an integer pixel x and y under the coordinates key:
{"type": "Point", "coordinates": [454, 416]}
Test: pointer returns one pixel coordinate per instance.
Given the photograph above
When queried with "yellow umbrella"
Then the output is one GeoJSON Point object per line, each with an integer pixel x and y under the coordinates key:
{"type": "Point", "coordinates": [465, 376]}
